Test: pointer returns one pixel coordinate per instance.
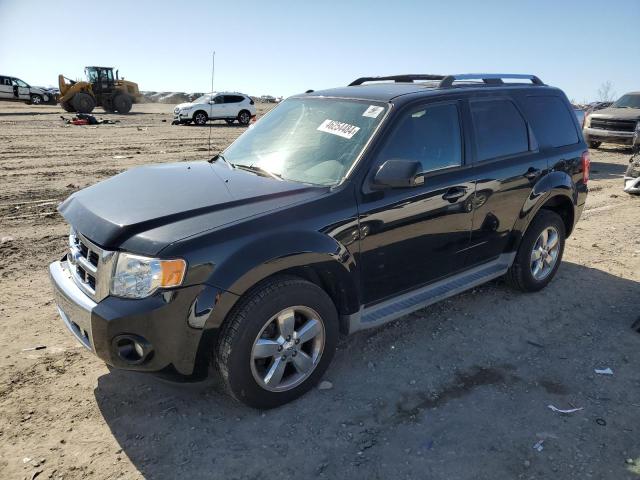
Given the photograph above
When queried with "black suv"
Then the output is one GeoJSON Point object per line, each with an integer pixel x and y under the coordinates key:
{"type": "Point", "coordinates": [338, 211]}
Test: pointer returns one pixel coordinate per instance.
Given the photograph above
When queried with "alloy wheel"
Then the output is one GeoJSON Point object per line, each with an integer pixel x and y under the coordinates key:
{"type": "Point", "coordinates": [288, 349]}
{"type": "Point", "coordinates": [545, 253]}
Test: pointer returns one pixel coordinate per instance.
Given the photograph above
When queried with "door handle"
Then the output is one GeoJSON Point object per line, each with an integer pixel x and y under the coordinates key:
{"type": "Point", "coordinates": [532, 173]}
{"type": "Point", "coordinates": [454, 194]}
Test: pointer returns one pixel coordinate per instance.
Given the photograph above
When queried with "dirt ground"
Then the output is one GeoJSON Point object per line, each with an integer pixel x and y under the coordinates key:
{"type": "Point", "coordinates": [458, 390]}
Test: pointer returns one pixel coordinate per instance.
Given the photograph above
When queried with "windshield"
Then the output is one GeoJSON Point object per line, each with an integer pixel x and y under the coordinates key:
{"type": "Point", "coordinates": [309, 140]}
{"type": "Point", "coordinates": [628, 101]}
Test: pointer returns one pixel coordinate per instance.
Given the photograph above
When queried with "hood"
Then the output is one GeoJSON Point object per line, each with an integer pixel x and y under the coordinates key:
{"type": "Point", "coordinates": [146, 208]}
{"type": "Point", "coordinates": [184, 105]}
{"type": "Point", "coordinates": [612, 113]}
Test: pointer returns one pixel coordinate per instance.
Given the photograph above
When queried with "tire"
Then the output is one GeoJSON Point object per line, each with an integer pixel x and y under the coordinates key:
{"type": "Point", "coordinates": [107, 104]}
{"type": "Point", "coordinates": [244, 117]}
{"type": "Point", "coordinates": [36, 100]}
{"type": "Point", "coordinates": [200, 118]}
{"type": "Point", "coordinates": [67, 107]}
{"type": "Point", "coordinates": [522, 274]}
{"type": "Point", "coordinates": [230, 121]}
{"type": "Point", "coordinates": [122, 103]}
{"type": "Point", "coordinates": [594, 144]}
{"type": "Point", "coordinates": [255, 323]}
{"type": "Point", "coordinates": [83, 102]}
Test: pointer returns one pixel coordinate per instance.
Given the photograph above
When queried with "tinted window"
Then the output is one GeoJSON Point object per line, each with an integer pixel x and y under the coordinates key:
{"type": "Point", "coordinates": [232, 99]}
{"type": "Point", "coordinates": [500, 129]}
{"type": "Point", "coordinates": [551, 121]}
{"type": "Point", "coordinates": [218, 99]}
{"type": "Point", "coordinates": [5, 81]}
{"type": "Point", "coordinates": [429, 135]}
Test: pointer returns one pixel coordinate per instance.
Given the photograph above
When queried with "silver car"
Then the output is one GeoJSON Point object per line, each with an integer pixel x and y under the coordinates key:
{"type": "Point", "coordinates": [14, 89]}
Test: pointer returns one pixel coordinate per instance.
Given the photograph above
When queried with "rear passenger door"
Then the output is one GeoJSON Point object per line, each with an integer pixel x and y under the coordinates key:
{"type": "Point", "coordinates": [217, 107]}
{"type": "Point", "coordinates": [507, 164]}
{"type": "Point", "coordinates": [232, 105]}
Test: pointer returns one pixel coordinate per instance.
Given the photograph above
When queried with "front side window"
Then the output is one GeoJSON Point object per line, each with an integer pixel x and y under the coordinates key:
{"type": "Point", "coordinates": [218, 99]}
{"type": "Point", "coordinates": [430, 135]}
{"type": "Point", "coordinates": [309, 140]}
{"type": "Point", "coordinates": [20, 83]}
{"type": "Point", "coordinates": [499, 128]}
{"type": "Point", "coordinates": [203, 99]}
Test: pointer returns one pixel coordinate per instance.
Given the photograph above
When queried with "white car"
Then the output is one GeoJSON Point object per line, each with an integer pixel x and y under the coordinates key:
{"type": "Point", "coordinates": [12, 88]}
{"type": "Point", "coordinates": [228, 106]}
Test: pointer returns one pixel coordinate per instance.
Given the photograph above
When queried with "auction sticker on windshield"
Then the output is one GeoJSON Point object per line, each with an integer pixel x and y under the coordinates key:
{"type": "Point", "coordinates": [343, 130]}
{"type": "Point", "coordinates": [373, 111]}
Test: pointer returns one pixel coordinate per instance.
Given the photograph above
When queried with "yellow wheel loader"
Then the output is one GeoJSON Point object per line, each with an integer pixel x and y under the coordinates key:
{"type": "Point", "coordinates": [100, 90]}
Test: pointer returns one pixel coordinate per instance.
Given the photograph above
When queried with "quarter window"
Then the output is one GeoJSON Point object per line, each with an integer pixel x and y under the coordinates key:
{"type": "Point", "coordinates": [551, 121]}
{"type": "Point", "coordinates": [500, 129]}
{"type": "Point", "coordinates": [430, 135]}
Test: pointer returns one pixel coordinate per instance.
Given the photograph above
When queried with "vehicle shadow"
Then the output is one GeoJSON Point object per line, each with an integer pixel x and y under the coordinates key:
{"type": "Point", "coordinates": [605, 170]}
{"type": "Point", "coordinates": [385, 386]}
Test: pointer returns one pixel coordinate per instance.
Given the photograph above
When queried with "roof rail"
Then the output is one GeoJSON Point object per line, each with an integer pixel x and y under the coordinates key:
{"type": "Point", "coordinates": [488, 78]}
{"type": "Point", "coordinates": [409, 78]}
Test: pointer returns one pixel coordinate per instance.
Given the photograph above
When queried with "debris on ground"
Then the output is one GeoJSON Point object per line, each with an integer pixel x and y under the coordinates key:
{"type": "Point", "coordinates": [85, 119]}
{"type": "Point", "coordinates": [604, 371]}
{"type": "Point", "coordinates": [121, 157]}
{"type": "Point", "coordinates": [565, 411]}
{"type": "Point", "coordinates": [37, 347]}
{"type": "Point", "coordinates": [538, 445]}
{"type": "Point", "coordinates": [6, 239]}
{"type": "Point", "coordinates": [325, 385]}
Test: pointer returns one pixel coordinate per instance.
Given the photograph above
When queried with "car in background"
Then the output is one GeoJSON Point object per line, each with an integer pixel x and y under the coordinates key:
{"type": "Point", "coordinates": [227, 106]}
{"type": "Point", "coordinates": [14, 89]}
{"type": "Point", "coordinates": [619, 123]}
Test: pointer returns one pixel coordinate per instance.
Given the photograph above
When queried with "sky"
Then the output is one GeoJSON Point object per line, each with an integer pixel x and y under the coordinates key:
{"type": "Point", "coordinates": [286, 47]}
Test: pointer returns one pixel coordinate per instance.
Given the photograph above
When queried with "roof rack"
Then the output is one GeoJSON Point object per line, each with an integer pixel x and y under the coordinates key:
{"type": "Point", "coordinates": [409, 78]}
{"type": "Point", "coordinates": [488, 78]}
{"type": "Point", "coordinates": [446, 81]}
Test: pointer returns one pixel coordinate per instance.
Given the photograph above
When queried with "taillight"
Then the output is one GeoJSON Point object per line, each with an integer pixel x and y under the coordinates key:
{"type": "Point", "coordinates": [586, 166]}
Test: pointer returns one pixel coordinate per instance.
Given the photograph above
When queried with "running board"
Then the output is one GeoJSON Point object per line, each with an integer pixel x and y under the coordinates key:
{"type": "Point", "coordinates": [394, 308]}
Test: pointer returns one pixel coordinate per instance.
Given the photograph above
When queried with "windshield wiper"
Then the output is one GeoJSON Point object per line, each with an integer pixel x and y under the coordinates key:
{"type": "Point", "coordinates": [219, 156]}
{"type": "Point", "coordinates": [258, 170]}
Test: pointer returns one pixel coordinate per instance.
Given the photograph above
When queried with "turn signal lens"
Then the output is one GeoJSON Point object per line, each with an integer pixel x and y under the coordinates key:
{"type": "Point", "coordinates": [172, 272]}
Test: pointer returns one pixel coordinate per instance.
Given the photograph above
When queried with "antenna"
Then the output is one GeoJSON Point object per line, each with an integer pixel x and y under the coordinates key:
{"type": "Point", "coordinates": [213, 71]}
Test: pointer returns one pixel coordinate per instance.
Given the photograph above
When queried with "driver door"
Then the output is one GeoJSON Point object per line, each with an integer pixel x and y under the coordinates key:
{"type": "Point", "coordinates": [22, 89]}
{"type": "Point", "coordinates": [217, 107]}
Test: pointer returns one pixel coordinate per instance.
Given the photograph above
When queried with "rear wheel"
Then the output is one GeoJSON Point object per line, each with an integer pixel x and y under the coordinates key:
{"type": "Point", "coordinates": [122, 103]}
{"type": "Point", "coordinates": [83, 102]}
{"type": "Point", "coordinates": [594, 144]}
{"type": "Point", "coordinates": [244, 117]}
{"type": "Point", "coordinates": [540, 253]}
{"type": "Point", "coordinates": [200, 118]}
{"type": "Point", "coordinates": [36, 99]}
{"type": "Point", "coordinates": [277, 342]}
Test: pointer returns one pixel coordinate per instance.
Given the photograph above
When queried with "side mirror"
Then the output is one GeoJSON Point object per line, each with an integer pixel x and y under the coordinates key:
{"type": "Point", "coordinates": [399, 174]}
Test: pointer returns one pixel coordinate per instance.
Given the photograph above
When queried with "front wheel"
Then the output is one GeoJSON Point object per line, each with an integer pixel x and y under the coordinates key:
{"type": "Point", "coordinates": [540, 253]}
{"type": "Point", "coordinates": [277, 342]}
{"type": "Point", "coordinates": [36, 99]}
{"type": "Point", "coordinates": [122, 103]}
{"type": "Point", "coordinates": [200, 118]}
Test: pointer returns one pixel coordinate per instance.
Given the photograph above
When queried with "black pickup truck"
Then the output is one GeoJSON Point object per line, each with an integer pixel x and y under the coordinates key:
{"type": "Point", "coordinates": [338, 211]}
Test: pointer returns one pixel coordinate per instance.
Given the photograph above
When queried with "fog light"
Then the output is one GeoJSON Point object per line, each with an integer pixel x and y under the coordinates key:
{"type": "Point", "coordinates": [132, 349]}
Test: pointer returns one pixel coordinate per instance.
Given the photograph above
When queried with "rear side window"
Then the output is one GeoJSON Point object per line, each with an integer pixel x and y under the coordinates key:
{"type": "Point", "coordinates": [233, 99]}
{"type": "Point", "coordinates": [499, 128]}
{"type": "Point", "coordinates": [551, 121]}
{"type": "Point", "coordinates": [430, 135]}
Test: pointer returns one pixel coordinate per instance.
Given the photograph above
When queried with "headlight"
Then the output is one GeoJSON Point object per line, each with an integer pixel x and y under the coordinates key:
{"type": "Point", "coordinates": [638, 126]}
{"type": "Point", "coordinates": [136, 276]}
{"type": "Point", "coordinates": [176, 110]}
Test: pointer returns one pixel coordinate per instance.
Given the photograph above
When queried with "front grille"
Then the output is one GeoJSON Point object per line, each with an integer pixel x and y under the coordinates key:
{"type": "Point", "coordinates": [614, 125]}
{"type": "Point", "coordinates": [90, 265]}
